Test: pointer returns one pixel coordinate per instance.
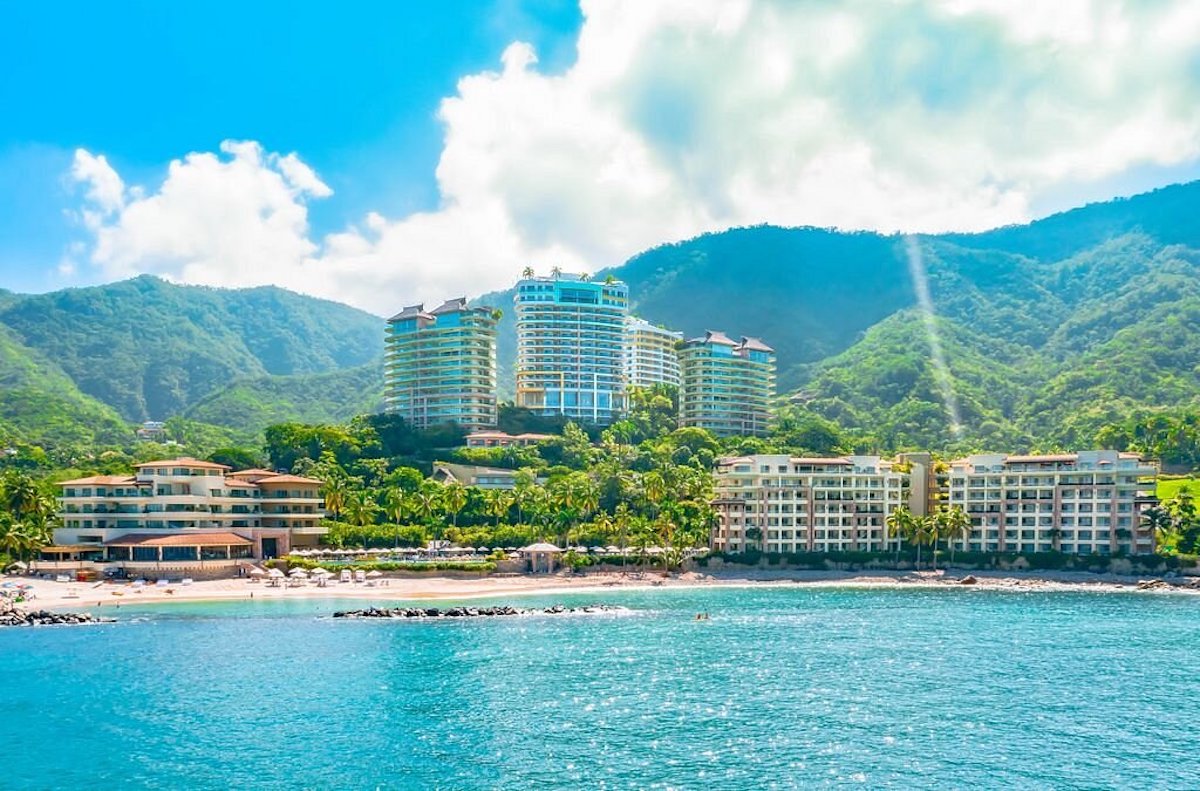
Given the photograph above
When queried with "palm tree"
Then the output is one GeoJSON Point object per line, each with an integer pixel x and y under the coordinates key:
{"type": "Point", "coordinates": [527, 272]}
{"type": "Point", "coordinates": [21, 495]}
{"type": "Point", "coordinates": [929, 529]}
{"type": "Point", "coordinates": [654, 489]}
{"type": "Point", "coordinates": [16, 539]}
{"type": "Point", "coordinates": [621, 522]}
{"type": "Point", "coordinates": [361, 508]}
{"type": "Point", "coordinates": [395, 508]}
{"type": "Point", "coordinates": [454, 498]}
{"type": "Point", "coordinates": [556, 272]}
{"type": "Point", "coordinates": [956, 524]}
{"type": "Point", "coordinates": [336, 488]}
{"type": "Point", "coordinates": [899, 526]}
{"type": "Point", "coordinates": [499, 501]}
{"type": "Point", "coordinates": [1158, 521]}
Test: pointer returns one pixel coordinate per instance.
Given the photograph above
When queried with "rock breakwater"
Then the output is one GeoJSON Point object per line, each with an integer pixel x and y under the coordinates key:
{"type": "Point", "coordinates": [470, 612]}
{"type": "Point", "coordinates": [16, 617]}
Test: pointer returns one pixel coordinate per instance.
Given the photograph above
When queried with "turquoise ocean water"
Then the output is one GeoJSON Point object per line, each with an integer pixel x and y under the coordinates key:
{"type": "Point", "coordinates": [781, 688]}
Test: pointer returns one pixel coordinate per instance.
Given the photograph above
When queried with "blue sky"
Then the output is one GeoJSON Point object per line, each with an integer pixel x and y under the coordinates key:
{"type": "Point", "coordinates": [383, 154]}
{"type": "Point", "coordinates": [146, 82]}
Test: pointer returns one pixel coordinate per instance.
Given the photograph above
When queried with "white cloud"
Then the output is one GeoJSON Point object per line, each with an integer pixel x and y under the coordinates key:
{"type": "Point", "coordinates": [680, 117]}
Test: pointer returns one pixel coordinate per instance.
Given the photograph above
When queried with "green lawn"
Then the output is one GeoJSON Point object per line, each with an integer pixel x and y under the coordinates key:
{"type": "Point", "coordinates": [1169, 487]}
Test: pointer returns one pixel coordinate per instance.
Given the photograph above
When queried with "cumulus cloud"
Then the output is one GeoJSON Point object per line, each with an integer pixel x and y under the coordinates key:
{"type": "Point", "coordinates": [235, 220]}
{"type": "Point", "coordinates": [681, 117]}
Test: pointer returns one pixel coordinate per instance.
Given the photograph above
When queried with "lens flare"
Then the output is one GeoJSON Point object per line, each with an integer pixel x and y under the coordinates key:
{"type": "Point", "coordinates": [941, 371]}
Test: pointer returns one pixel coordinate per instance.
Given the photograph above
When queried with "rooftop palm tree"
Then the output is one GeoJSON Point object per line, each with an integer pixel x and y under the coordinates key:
{"type": "Point", "coordinates": [527, 272]}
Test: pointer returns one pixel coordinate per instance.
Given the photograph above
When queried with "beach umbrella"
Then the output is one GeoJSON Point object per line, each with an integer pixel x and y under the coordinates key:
{"type": "Point", "coordinates": [470, 550]}
{"type": "Point", "coordinates": [274, 573]}
{"type": "Point", "coordinates": [298, 572]}
{"type": "Point", "coordinates": [375, 573]}
{"type": "Point", "coordinates": [257, 572]}
{"type": "Point", "coordinates": [613, 550]}
{"type": "Point", "coordinates": [483, 550]}
{"type": "Point", "coordinates": [595, 550]}
{"type": "Point", "coordinates": [320, 572]}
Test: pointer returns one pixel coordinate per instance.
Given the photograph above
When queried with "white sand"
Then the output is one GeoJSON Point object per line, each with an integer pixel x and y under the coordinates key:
{"type": "Point", "coordinates": [83, 595]}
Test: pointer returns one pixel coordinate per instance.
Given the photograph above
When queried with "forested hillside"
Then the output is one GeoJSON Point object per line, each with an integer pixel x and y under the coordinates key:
{"type": "Point", "coordinates": [1051, 330]}
{"type": "Point", "coordinates": [150, 349]}
{"type": "Point", "coordinates": [1054, 333]}
{"type": "Point", "coordinates": [250, 405]}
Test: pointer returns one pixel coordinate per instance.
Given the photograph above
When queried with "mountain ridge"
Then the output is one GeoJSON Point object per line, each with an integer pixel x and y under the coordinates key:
{"type": "Point", "coordinates": [1050, 329]}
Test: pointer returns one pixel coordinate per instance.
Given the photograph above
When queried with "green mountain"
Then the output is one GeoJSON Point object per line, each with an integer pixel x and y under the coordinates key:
{"type": "Point", "coordinates": [1049, 329]}
{"type": "Point", "coordinates": [151, 349]}
{"type": "Point", "coordinates": [249, 405]}
{"type": "Point", "coordinates": [40, 403]}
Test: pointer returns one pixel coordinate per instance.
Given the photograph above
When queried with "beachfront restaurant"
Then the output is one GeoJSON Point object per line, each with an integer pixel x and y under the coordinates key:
{"type": "Point", "coordinates": [179, 548]}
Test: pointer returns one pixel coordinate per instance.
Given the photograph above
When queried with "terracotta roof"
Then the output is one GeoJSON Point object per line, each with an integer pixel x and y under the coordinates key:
{"type": "Point", "coordinates": [410, 312]}
{"type": "Point", "coordinates": [755, 344]}
{"type": "Point", "coordinates": [536, 437]}
{"type": "Point", "coordinates": [101, 480]}
{"type": "Point", "coordinates": [1046, 457]}
{"type": "Point", "coordinates": [712, 336]}
{"type": "Point", "coordinates": [179, 540]}
{"type": "Point", "coordinates": [252, 472]}
{"type": "Point", "coordinates": [234, 483]}
{"type": "Point", "coordinates": [183, 461]}
{"type": "Point", "coordinates": [287, 479]}
{"type": "Point", "coordinates": [457, 306]}
{"type": "Point", "coordinates": [58, 549]}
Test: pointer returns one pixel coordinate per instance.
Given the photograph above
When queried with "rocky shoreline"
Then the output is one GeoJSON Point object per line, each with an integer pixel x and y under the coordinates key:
{"type": "Point", "coordinates": [470, 612]}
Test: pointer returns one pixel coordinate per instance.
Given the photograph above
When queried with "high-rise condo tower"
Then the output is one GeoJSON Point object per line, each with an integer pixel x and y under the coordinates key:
{"type": "Point", "coordinates": [441, 365]}
{"type": "Point", "coordinates": [571, 347]}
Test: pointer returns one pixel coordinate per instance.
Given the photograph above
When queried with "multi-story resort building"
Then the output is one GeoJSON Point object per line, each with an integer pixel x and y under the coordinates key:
{"type": "Point", "coordinates": [183, 510]}
{"type": "Point", "coordinates": [441, 365]}
{"type": "Point", "coordinates": [571, 347]}
{"type": "Point", "coordinates": [726, 384]}
{"type": "Point", "coordinates": [1088, 502]}
{"type": "Point", "coordinates": [650, 354]}
{"type": "Point", "coordinates": [779, 503]}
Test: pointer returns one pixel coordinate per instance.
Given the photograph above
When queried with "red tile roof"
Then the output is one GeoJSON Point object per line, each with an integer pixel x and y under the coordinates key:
{"type": "Point", "coordinates": [179, 540]}
{"type": "Point", "coordinates": [286, 479]}
{"type": "Point", "coordinates": [101, 480]}
{"type": "Point", "coordinates": [183, 461]}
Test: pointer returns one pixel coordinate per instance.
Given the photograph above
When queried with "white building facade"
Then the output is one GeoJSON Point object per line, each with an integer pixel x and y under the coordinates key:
{"type": "Point", "coordinates": [780, 503]}
{"type": "Point", "coordinates": [166, 503]}
{"type": "Point", "coordinates": [1084, 503]}
{"type": "Point", "coordinates": [650, 354]}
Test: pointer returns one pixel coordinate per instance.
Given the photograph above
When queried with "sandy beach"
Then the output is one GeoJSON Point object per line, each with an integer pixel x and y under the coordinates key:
{"type": "Point", "coordinates": [100, 594]}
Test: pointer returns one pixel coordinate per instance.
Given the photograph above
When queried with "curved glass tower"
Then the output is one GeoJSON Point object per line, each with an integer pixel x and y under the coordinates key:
{"type": "Point", "coordinates": [571, 347]}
